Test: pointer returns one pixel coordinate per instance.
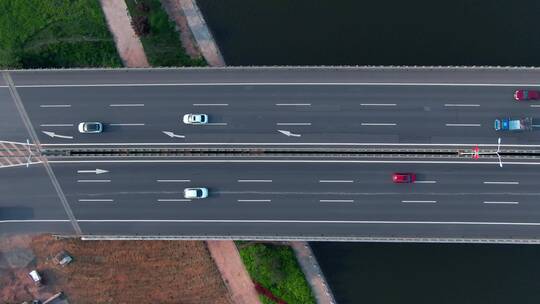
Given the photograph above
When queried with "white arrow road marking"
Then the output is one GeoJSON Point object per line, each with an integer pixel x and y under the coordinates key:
{"type": "Point", "coordinates": [96, 171]}
{"type": "Point", "coordinates": [172, 135]}
{"type": "Point", "coordinates": [52, 134]}
{"type": "Point", "coordinates": [289, 133]}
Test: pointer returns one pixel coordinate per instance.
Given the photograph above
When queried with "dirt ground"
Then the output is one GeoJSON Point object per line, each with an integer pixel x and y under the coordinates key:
{"type": "Point", "coordinates": [111, 271]}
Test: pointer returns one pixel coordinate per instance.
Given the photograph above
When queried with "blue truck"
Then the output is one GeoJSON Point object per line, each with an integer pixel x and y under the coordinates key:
{"type": "Point", "coordinates": [513, 124]}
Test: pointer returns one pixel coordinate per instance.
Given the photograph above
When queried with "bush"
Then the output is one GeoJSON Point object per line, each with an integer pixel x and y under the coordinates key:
{"type": "Point", "coordinates": [140, 25]}
{"type": "Point", "coordinates": [276, 269]}
{"type": "Point", "coordinates": [143, 7]}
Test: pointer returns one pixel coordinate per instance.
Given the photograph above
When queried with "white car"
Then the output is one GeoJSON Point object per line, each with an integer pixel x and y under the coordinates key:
{"type": "Point", "coordinates": [90, 127]}
{"type": "Point", "coordinates": [195, 119]}
{"type": "Point", "coordinates": [35, 277]}
{"type": "Point", "coordinates": [195, 193]}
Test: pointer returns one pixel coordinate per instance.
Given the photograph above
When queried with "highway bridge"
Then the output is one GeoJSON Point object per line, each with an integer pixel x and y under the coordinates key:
{"type": "Point", "coordinates": [288, 153]}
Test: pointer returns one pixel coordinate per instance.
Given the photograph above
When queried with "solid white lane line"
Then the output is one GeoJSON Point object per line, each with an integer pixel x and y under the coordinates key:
{"type": "Point", "coordinates": [173, 180]}
{"type": "Point", "coordinates": [443, 84]}
{"type": "Point", "coordinates": [507, 203]}
{"type": "Point", "coordinates": [215, 124]}
{"type": "Point", "coordinates": [254, 180]}
{"type": "Point", "coordinates": [461, 105]}
{"type": "Point", "coordinates": [379, 104]}
{"type": "Point", "coordinates": [377, 124]}
{"type": "Point", "coordinates": [211, 104]}
{"type": "Point", "coordinates": [93, 181]}
{"type": "Point", "coordinates": [335, 181]}
{"type": "Point", "coordinates": [173, 200]}
{"type": "Point", "coordinates": [284, 144]}
{"type": "Point", "coordinates": [293, 221]}
{"type": "Point", "coordinates": [56, 125]}
{"type": "Point", "coordinates": [253, 200]}
{"type": "Point", "coordinates": [425, 182]}
{"type": "Point", "coordinates": [501, 183]}
{"type": "Point", "coordinates": [432, 202]}
{"type": "Point", "coordinates": [95, 200]}
{"type": "Point", "coordinates": [127, 105]}
{"type": "Point", "coordinates": [336, 201]}
{"type": "Point", "coordinates": [462, 125]}
{"type": "Point", "coordinates": [293, 104]}
{"type": "Point", "coordinates": [293, 124]}
{"type": "Point", "coordinates": [127, 124]}
{"type": "Point", "coordinates": [55, 106]}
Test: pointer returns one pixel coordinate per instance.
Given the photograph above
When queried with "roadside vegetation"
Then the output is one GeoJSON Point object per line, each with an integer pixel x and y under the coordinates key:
{"type": "Point", "coordinates": [161, 41]}
{"type": "Point", "coordinates": [275, 268]}
{"type": "Point", "coordinates": [55, 34]}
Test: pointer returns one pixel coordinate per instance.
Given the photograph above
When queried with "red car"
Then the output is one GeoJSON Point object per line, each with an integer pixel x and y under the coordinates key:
{"type": "Point", "coordinates": [403, 178]}
{"type": "Point", "coordinates": [520, 95]}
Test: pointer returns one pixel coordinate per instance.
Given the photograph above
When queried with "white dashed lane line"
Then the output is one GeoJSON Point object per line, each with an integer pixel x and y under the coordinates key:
{"type": "Point", "coordinates": [211, 104]}
{"type": "Point", "coordinates": [502, 203]}
{"type": "Point", "coordinates": [56, 125]}
{"type": "Point", "coordinates": [173, 180]}
{"type": "Point", "coordinates": [462, 125]}
{"type": "Point", "coordinates": [127, 105]}
{"type": "Point", "coordinates": [461, 105]}
{"type": "Point", "coordinates": [293, 104]}
{"type": "Point", "coordinates": [96, 200]}
{"type": "Point", "coordinates": [127, 124]}
{"type": "Point", "coordinates": [501, 183]}
{"type": "Point", "coordinates": [93, 181]}
{"type": "Point", "coordinates": [378, 104]}
{"type": "Point", "coordinates": [336, 201]}
{"type": "Point", "coordinates": [293, 124]}
{"type": "Point", "coordinates": [254, 180]}
{"type": "Point", "coordinates": [425, 182]}
{"type": "Point", "coordinates": [55, 106]}
{"type": "Point", "coordinates": [335, 181]}
{"type": "Point", "coordinates": [378, 124]}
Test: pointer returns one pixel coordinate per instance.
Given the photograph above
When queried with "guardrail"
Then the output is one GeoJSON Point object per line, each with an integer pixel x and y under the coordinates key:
{"type": "Point", "coordinates": [310, 239]}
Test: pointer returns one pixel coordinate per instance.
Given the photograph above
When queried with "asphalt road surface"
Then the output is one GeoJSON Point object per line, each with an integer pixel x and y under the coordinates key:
{"type": "Point", "coordinates": [250, 106]}
{"type": "Point", "coordinates": [258, 198]}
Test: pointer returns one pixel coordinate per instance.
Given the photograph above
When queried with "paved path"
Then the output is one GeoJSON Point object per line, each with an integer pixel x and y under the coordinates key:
{"type": "Point", "coordinates": [313, 273]}
{"type": "Point", "coordinates": [201, 32]}
{"type": "Point", "coordinates": [235, 276]}
{"type": "Point", "coordinates": [129, 46]}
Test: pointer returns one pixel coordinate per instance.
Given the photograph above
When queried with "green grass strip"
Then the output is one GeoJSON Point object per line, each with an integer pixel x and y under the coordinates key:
{"type": "Point", "coordinates": [55, 34]}
{"type": "Point", "coordinates": [276, 268]}
{"type": "Point", "coordinates": [162, 45]}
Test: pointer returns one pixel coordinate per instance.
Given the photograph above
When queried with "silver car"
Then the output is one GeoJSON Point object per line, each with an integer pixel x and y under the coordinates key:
{"type": "Point", "coordinates": [90, 127]}
{"type": "Point", "coordinates": [195, 119]}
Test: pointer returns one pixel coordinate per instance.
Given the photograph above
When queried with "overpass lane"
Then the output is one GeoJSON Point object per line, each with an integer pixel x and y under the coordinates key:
{"type": "Point", "coordinates": [301, 191]}
{"type": "Point", "coordinates": [254, 114]}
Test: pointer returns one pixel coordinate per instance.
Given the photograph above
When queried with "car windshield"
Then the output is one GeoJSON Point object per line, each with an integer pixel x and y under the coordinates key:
{"type": "Point", "coordinates": [92, 127]}
{"type": "Point", "coordinates": [525, 94]}
{"type": "Point", "coordinates": [199, 192]}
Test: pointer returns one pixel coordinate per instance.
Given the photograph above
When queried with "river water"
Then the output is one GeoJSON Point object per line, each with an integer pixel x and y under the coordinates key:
{"type": "Point", "coordinates": [376, 32]}
{"type": "Point", "coordinates": [396, 32]}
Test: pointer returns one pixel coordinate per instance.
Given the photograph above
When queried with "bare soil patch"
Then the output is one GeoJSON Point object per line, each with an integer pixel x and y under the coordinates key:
{"type": "Point", "coordinates": [113, 271]}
